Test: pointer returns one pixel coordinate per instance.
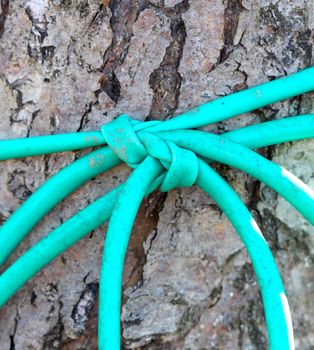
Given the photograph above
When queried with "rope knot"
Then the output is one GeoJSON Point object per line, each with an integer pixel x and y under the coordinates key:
{"type": "Point", "coordinates": [132, 142]}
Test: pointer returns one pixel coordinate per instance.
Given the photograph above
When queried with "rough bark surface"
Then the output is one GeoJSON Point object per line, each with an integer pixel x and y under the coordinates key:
{"type": "Point", "coordinates": [68, 65]}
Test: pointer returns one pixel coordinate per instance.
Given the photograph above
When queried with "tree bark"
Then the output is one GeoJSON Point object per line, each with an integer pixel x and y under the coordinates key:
{"type": "Point", "coordinates": [73, 65]}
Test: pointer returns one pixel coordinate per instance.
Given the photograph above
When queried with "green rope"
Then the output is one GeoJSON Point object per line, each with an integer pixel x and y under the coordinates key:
{"type": "Point", "coordinates": [52, 192]}
{"type": "Point", "coordinates": [211, 112]}
{"type": "Point", "coordinates": [278, 322]}
{"type": "Point", "coordinates": [95, 215]}
{"type": "Point", "coordinates": [166, 156]}
{"type": "Point", "coordinates": [117, 239]}
{"type": "Point", "coordinates": [57, 241]}
{"type": "Point", "coordinates": [76, 174]}
{"type": "Point", "coordinates": [227, 152]}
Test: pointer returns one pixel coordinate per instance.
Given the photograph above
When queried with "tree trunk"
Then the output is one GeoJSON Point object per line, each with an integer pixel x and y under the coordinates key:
{"type": "Point", "coordinates": [73, 65]}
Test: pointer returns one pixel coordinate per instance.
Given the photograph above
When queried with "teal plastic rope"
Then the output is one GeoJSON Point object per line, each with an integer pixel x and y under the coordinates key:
{"type": "Point", "coordinates": [164, 155]}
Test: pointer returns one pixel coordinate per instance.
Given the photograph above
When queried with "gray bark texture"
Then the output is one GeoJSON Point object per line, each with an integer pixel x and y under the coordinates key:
{"type": "Point", "coordinates": [72, 65]}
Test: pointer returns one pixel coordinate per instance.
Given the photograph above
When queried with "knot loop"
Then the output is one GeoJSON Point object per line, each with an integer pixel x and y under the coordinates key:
{"type": "Point", "coordinates": [123, 141]}
{"type": "Point", "coordinates": [132, 142]}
